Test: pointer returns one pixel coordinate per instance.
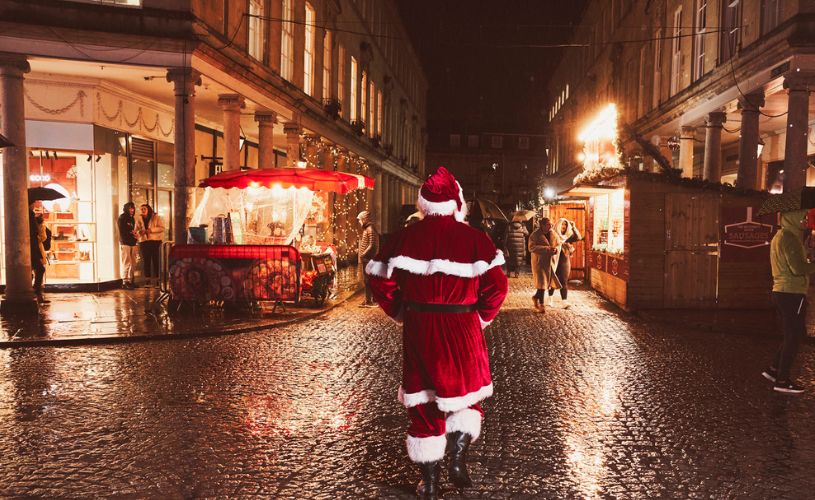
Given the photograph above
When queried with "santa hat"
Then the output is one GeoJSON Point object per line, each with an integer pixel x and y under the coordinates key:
{"type": "Point", "coordinates": [441, 194]}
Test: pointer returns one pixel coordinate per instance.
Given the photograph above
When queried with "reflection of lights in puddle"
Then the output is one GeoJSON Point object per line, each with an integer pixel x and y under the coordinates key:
{"type": "Point", "coordinates": [270, 415]}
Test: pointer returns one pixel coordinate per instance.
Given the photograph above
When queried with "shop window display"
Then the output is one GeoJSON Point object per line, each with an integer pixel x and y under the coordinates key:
{"type": "Point", "coordinates": [71, 219]}
{"type": "Point", "coordinates": [609, 216]}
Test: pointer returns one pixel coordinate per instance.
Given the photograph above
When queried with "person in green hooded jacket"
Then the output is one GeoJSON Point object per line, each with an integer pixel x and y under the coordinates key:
{"type": "Point", "coordinates": [791, 272]}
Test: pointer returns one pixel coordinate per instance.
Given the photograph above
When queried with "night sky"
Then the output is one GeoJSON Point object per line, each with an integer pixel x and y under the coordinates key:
{"type": "Point", "coordinates": [482, 74]}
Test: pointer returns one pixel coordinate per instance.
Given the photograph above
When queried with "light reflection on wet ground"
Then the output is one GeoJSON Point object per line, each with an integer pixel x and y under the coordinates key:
{"type": "Point", "coordinates": [589, 403]}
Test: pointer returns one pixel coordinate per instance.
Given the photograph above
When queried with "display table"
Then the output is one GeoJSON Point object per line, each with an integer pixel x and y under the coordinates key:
{"type": "Point", "coordinates": [232, 273]}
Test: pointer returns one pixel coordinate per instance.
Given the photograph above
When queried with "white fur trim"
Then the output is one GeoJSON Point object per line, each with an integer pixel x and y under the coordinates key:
{"type": "Point", "coordinates": [449, 207]}
{"type": "Point", "coordinates": [461, 402]}
{"type": "Point", "coordinates": [415, 398]}
{"type": "Point", "coordinates": [426, 449]}
{"type": "Point", "coordinates": [376, 268]}
{"type": "Point", "coordinates": [444, 404]}
{"type": "Point", "coordinates": [484, 324]}
{"type": "Point", "coordinates": [467, 421]}
{"type": "Point", "coordinates": [428, 267]}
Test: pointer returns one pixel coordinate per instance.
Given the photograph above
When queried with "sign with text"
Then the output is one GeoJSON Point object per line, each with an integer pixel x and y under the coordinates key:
{"type": "Point", "coordinates": [745, 238]}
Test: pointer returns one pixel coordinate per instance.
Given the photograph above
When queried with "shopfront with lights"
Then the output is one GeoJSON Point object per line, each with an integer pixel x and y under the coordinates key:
{"type": "Point", "coordinates": [98, 170]}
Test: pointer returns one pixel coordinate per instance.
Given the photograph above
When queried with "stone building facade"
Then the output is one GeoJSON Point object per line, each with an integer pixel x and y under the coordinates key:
{"type": "Point", "coordinates": [148, 97]}
{"type": "Point", "coordinates": [719, 87]}
{"type": "Point", "coordinates": [500, 167]}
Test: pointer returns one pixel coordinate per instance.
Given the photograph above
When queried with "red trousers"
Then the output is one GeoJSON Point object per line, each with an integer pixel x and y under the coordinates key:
{"type": "Point", "coordinates": [429, 426]}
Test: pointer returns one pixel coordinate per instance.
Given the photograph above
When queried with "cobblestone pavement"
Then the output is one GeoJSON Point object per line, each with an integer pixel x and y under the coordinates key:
{"type": "Point", "coordinates": [589, 403]}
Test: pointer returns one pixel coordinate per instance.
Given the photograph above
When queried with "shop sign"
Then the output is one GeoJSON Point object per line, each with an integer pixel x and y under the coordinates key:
{"type": "Point", "coordinates": [744, 238]}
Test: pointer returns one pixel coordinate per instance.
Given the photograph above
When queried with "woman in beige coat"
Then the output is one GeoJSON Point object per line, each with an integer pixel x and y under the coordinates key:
{"type": "Point", "coordinates": [544, 247]}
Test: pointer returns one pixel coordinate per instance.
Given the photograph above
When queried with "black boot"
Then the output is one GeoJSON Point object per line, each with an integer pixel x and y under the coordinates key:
{"type": "Point", "coordinates": [457, 445]}
{"type": "Point", "coordinates": [428, 488]}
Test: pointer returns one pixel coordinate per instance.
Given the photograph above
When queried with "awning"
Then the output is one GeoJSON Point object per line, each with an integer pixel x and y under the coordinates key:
{"type": "Point", "coordinates": [585, 191]}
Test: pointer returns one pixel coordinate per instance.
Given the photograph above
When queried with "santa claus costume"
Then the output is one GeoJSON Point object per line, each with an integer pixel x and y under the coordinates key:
{"type": "Point", "coordinates": [442, 280]}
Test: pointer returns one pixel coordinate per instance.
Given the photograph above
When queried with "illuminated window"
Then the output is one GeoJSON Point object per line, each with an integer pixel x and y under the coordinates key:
{"type": "Point", "coordinates": [256, 29]}
{"type": "Point", "coordinates": [523, 142]}
{"type": "Point", "coordinates": [609, 220]}
{"type": "Point", "coordinates": [286, 42]}
{"type": "Point", "coordinates": [655, 94]}
{"type": "Point", "coordinates": [372, 109]}
{"type": "Point", "coordinates": [341, 78]}
{"type": "Point", "coordinates": [327, 65]}
{"type": "Point", "coordinates": [308, 53]}
{"type": "Point", "coordinates": [497, 142]}
{"type": "Point", "coordinates": [353, 97]}
{"type": "Point", "coordinates": [379, 113]}
{"type": "Point", "coordinates": [363, 89]}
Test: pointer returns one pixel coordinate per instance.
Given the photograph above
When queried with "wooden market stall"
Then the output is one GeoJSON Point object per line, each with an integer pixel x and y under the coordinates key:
{"type": "Point", "coordinates": [657, 242]}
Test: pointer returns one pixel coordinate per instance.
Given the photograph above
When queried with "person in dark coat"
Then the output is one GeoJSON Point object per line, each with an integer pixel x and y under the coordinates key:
{"type": "Point", "coordinates": [37, 235]}
{"type": "Point", "coordinates": [516, 246]}
{"type": "Point", "coordinates": [128, 243]}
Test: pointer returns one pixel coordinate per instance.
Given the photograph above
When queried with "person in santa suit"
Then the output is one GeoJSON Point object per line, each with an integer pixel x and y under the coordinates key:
{"type": "Point", "coordinates": [442, 280]}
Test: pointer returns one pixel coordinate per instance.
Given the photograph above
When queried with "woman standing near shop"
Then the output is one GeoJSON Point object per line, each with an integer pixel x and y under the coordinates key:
{"type": "Point", "coordinates": [151, 232]}
{"type": "Point", "coordinates": [567, 233]}
{"type": "Point", "coordinates": [543, 246]}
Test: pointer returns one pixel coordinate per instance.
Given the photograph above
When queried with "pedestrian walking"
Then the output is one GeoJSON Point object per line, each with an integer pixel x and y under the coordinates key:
{"type": "Point", "coordinates": [568, 234]}
{"type": "Point", "coordinates": [516, 246]}
{"type": "Point", "coordinates": [152, 232]}
{"type": "Point", "coordinates": [543, 246]}
{"type": "Point", "coordinates": [790, 284]}
{"type": "Point", "coordinates": [128, 242]}
{"type": "Point", "coordinates": [368, 247]}
{"type": "Point", "coordinates": [442, 280]}
{"type": "Point", "coordinates": [37, 237]}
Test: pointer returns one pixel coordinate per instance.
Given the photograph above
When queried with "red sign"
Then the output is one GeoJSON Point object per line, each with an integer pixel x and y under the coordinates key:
{"type": "Point", "coordinates": [743, 238]}
{"type": "Point", "coordinates": [614, 265]}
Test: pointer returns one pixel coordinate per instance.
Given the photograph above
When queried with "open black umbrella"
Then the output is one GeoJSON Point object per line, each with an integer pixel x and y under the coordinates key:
{"type": "Point", "coordinates": [799, 199]}
{"type": "Point", "coordinates": [5, 143]}
{"type": "Point", "coordinates": [43, 194]}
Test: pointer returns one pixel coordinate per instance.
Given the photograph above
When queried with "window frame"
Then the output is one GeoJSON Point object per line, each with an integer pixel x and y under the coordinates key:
{"type": "Point", "coordinates": [256, 46]}
{"type": "Point", "coordinates": [287, 40]}
{"type": "Point", "coordinates": [309, 47]}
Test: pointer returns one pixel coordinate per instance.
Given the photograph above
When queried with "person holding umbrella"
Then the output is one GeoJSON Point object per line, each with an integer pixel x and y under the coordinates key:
{"type": "Point", "coordinates": [39, 235]}
{"type": "Point", "coordinates": [791, 271]}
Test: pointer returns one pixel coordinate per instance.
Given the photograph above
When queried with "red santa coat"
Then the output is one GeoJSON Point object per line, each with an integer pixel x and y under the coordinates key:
{"type": "Point", "coordinates": [441, 261]}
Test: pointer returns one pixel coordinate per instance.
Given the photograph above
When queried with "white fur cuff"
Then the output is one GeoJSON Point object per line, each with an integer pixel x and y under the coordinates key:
{"type": "Point", "coordinates": [461, 402]}
{"type": "Point", "coordinates": [426, 449]}
{"type": "Point", "coordinates": [484, 324]}
{"type": "Point", "coordinates": [467, 421]}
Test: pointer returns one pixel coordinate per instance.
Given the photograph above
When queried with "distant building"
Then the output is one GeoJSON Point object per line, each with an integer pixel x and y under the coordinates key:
{"type": "Point", "coordinates": [499, 167]}
{"type": "Point", "coordinates": [719, 88]}
{"type": "Point", "coordinates": [139, 100]}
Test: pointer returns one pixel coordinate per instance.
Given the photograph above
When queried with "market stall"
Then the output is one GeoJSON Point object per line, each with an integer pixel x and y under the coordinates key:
{"type": "Point", "coordinates": [658, 242]}
{"type": "Point", "coordinates": [251, 239]}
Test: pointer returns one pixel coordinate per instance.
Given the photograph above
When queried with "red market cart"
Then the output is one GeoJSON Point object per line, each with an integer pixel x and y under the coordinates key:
{"type": "Point", "coordinates": [254, 257]}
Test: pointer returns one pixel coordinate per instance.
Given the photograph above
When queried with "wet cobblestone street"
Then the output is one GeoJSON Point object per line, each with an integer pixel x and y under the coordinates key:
{"type": "Point", "coordinates": [589, 403]}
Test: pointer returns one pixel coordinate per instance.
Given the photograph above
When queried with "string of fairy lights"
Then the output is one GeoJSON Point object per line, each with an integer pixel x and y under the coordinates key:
{"type": "Point", "coordinates": [345, 207]}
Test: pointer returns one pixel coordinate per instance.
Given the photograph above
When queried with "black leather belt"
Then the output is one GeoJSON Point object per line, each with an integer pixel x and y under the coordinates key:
{"type": "Point", "coordinates": [444, 308]}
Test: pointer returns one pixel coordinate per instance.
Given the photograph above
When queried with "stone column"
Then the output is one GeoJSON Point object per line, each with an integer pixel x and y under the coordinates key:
{"type": "Point", "coordinates": [377, 205]}
{"type": "Point", "coordinates": [275, 33]}
{"type": "Point", "coordinates": [266, 121]}
{"type": "Point", "coordinates": [686, 136]}
{"type": "Point", "coordinates": [310, 155]}
{"type": "Point", "coordinates": [341, 220]}
{"type": "Point", "coordinates": [184, 81]}
{"type": "Point", "coordinates": [713, 146]}
{"type": "Point", "coordinates": [748, 141]}
{"type": "Point", "coordinates": [232, 104]}
{"type": "Point", "coordinates": [299, 41]}
{"type": "Point", "coordinates": [292, 131]}
{"type": "Point", "coordinates": [795, 152]}
{"type": "Point", "coordinates": [19, 295]}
